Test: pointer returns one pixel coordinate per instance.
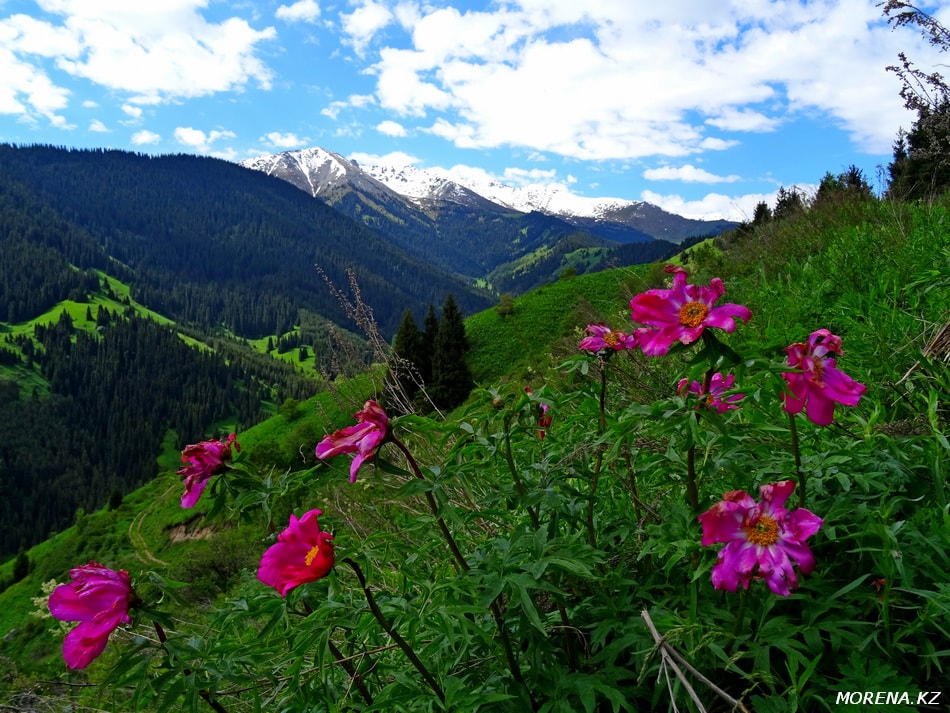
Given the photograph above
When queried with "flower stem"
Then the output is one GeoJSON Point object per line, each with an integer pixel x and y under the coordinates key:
{"type": "Point", "coordinates": [354, 674]}
{"type": "Point", "coordinates": [602, 426]}
{"type": "Point", "coordinates": [393, 634]}
{"type": "Point", "coordinates": [215, 705]}
{"type": "Point", "coordinates": [796, 452]}
{"type": "Point", "coordinates": [519, 486]}
{"type": "Point", "coordinates": [465, 567]}
{"type": "Point", "coordinates": [430, 498]}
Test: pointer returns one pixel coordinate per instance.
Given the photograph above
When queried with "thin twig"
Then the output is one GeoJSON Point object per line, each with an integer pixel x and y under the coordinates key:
{"type": "Point", "coordinates": [672, 656]}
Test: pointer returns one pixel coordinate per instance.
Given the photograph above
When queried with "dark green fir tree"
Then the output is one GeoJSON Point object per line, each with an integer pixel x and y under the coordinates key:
{"type": "Point", "coordinates": [410, 352]}
{"type": "Point", "coordinates": [451, 378]}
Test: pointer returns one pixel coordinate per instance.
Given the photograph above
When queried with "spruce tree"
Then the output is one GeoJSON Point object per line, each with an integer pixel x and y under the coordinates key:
{"type": "Point", "coordinates": [451, 379]}
{"type": "Point", "coordinates": [410, 351]}
{"type": "Point", "coordinates": [430, 329]}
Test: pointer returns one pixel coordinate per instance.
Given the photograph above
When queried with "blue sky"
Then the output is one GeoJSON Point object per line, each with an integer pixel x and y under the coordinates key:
{"type": "Point", "coordinates": [703, 108]}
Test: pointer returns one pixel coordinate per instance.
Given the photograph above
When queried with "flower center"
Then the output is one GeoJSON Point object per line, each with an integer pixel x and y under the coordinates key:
{"type": "Point", "coordinates": [311, 555]}
{"type": "Point", "coordinates": [611, 339]}
{"type": "Point", "coordinates": [692, 314]}
{"type": "Point", "coordinates": [816, 373]}
{"type": "Point", "coordinates": [764, 531]}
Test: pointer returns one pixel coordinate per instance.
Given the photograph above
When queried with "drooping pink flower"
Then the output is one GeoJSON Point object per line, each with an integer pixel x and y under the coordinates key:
{"type": "Point", "coordinates": [98, 598]}
{"type": "Point", "coordinates": [601, 338]}
{"type": "Point", "coordinates": [544, 422]}
{"type": "Point", "coordinates": [762, 539]}
{"type": "Point", "coordinates": [362, 439]}
{"type": "Point", "coordinates": [303, 553]}
{"type": "Point", "coordinates": [681, 313]}
{"type": "Point", "coordinates": [819, 384]}
{"type": "Point", "coordinates": [204, 460]}
{"type": "Point", "coordinates": [714, 399]}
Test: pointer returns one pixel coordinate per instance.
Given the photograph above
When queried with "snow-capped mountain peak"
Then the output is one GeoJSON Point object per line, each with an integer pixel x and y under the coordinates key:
{"type": "Point", "coordinates": [323, 169]}
{"type": "Point", "coordinates": [553, 198]}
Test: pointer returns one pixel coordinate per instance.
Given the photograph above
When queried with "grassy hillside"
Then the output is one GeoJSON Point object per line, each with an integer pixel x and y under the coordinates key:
{"type": "Point", "coordinates": [569, 529]}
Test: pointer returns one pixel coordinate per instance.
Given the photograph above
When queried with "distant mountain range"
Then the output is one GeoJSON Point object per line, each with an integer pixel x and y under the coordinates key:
{"type": "Point", "coordinates": [324, 174]}
{"type": "Point", "coordinates": [507, 239]}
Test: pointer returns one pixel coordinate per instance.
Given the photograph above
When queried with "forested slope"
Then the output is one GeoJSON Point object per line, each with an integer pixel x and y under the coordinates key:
{"type": "Point", "coordinates": [200, 240]}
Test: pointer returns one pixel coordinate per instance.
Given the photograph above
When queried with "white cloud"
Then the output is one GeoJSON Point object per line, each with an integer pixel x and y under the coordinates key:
{"type": "Point", "coordinates": [134, 112]}
{"type": "Point", "coordinates": [26, 90]}
{"type": "Point", "coordinates": [98, 127]}
{"type": "Point", "coordinates": [397, 159]}
{"type": "Point", "coordinates": [301, 11]}
{"type": "Point", "coordinates": [736, 119]}
{"type": "Point", "coordinates": [152, 51]}
{"type": "Point", "coordinates": [199, 141]}
{"type": "Point", "coordinates": [606, 80]}
{"type": "Point", "coordinates": [687, 173]}
{"type": "Point", "coordinates": [713, 206]}
{"type": "Point", "coordinates": [527, 177]}
{"type": "Point", "coordinates": [361, 25]}
{"type": "Point", "coordinates": [283, 141]}
{"type": "Point", "coordinates": [144, 137]}
{"type": "Point", "coordinates": [391, 128]}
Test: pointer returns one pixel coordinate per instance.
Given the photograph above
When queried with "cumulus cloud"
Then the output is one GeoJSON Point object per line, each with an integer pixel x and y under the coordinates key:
{"type": "Point", "coordinates": [98, 127]}
{"type": "Point", "coordinates": [600, 81]}
{"type": "Point", "coordinates": [199, 141]}
{"type": "Point", "coordinates": [153, 52]}
{"type": "Point", "coordinates": [687, 173]}
{"type": "Point", "coordinates": [396, 159]}
{"type": "Point", "coordinates": [145, 137]}
{"type": "Point", "coordinates": [301, 11]}
{"type": "Point", "coordinates": [361, 25]}
{"type": "Point", "coordinates": [391, 128]}
{"type": "Point", "coordinates": [283, 141]}
{"type": "Point", "coordinates": [712, 206]}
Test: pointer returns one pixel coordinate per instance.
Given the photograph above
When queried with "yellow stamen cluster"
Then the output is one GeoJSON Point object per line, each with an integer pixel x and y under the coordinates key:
{"type": "Point", "coordinates": [311, 555]}
{"type": "Point", "coordinates": [764, 531]}
{"type": "Point", "coordinates": [611, 339]}
{"type": "Point", "coordinates": [692, 314]}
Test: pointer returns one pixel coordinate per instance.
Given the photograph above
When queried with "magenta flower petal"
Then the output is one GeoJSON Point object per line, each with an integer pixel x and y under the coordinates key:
{"type": "Point", "coordinates": [303, 553]}
{"type": "Point", "coordinates": [204, 460]}
{"type": "Point", "coordinates": [714, 399]}
{"type": "Point", "coordinates": [681, 313]}
{"type": "Point", "coordinates": [820, 384]}
{"type": "Point", "coordinates": [99, 599]}
{"type": "Point", "coordinates": [762, 539]}
{"type": "Point", "coordinates": [363, 438]}
{"type": "Point", "coordinates": [601, 338]}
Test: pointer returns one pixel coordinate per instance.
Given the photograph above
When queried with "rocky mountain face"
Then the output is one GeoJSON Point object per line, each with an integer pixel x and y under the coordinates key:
{"type": "Point", "coordinates": [324, 174]}
{"type": "Point", "coordinates": [510, 239]}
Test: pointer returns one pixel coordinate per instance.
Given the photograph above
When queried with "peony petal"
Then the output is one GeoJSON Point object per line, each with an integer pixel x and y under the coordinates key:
{"type": "Point", "coordinates": [842, 388]}
{"type": "Point", "coordinates": [774, 495]}
{"type": "Point", "coordinates": [82, 645]}
{"type": "Point", "coordinates": [819, 409]}
{"type": "Point", "coordinates": [802, 524]}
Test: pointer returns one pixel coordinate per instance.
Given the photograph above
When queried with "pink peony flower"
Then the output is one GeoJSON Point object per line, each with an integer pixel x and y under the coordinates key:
{"type": "Point", "coordinates": [761, 539]}
{"type": "Point", "coordinates": [204, 460]}
{"type": "Point", "coordinates": [601, 338]}
{"type": "Point", "coordinates": [819, 384]}
{"type": "Point", "coordinates": [362, 439]}
{"type": "Point", "coordinates": [717, 385]}
{"type": "Point", "coordinates": [681, 313]}
{"type": "Point", "coordinates": [303, 553]}
{"type": "Point", "coordinates": [544, 422]}
{"type": "Point", "coordinates": [98, 598]}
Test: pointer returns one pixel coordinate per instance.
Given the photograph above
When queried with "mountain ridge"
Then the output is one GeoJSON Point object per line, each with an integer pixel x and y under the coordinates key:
{"type": "Point", "coordinates": [601, 216]}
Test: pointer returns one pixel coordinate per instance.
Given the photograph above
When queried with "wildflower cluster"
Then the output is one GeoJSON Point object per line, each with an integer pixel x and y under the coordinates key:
{"type": "Point", "coordinates": [533, 617]}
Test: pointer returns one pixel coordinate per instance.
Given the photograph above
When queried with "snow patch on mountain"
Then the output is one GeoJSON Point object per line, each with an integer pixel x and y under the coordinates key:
{"type": "Point", "coordinates": [321, 168]}
{"type": "Point", "coordinates": [557, 199]}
